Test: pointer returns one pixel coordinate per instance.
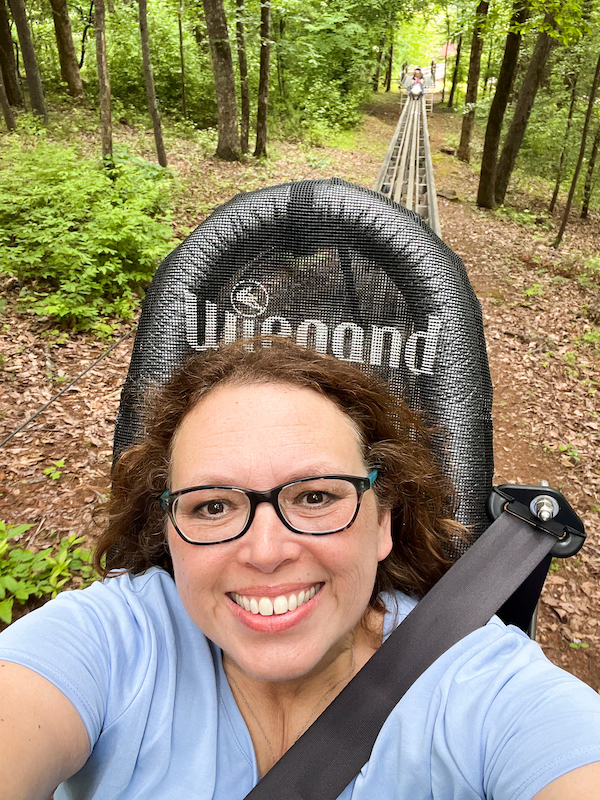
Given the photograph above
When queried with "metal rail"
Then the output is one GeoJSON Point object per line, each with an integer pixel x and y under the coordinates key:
{"type": "Point", "coordinates": [406, 174]}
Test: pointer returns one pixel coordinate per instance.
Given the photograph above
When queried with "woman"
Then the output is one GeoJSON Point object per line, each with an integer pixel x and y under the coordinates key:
{"type": "Point", "coordinates": [149, 687]}
{"type": "Point", "coordinates": [416, 83]}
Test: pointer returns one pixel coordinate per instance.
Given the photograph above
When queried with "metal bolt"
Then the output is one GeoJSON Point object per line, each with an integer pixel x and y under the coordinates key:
{"type": "Point", "coordinates": [544, 507]}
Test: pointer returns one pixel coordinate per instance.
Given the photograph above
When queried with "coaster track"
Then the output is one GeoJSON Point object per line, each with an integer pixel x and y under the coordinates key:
{"type": "Point", "coordinates": [406, 175]}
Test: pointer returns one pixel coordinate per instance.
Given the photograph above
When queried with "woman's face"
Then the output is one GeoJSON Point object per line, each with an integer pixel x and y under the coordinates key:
{"type": "Point", "coordinates": [258, 437]}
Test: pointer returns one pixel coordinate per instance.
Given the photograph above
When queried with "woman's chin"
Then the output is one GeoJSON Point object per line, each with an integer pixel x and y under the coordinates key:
{"type": "Point", "coordinates": [270, 669]}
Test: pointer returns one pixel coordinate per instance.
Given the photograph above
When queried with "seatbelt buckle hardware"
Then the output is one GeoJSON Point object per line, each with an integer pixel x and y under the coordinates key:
{"type": "Point", "coordinates": [545, 509]}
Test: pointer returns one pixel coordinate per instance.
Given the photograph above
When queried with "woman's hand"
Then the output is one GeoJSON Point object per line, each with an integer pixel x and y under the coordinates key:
{"type": "Point", "coordinates": [43, 740]}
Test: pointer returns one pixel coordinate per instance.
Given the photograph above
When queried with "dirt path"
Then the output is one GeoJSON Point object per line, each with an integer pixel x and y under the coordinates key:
{"type": "Point", "coordinates": [544, 353]}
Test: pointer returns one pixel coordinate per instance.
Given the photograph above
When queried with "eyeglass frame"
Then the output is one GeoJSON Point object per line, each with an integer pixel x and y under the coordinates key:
{"type": "Point", "coordinates": [362, 485]}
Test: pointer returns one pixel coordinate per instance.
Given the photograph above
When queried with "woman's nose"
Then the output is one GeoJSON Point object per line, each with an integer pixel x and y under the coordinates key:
{"type": "Point", "coordinates": [267, 544]}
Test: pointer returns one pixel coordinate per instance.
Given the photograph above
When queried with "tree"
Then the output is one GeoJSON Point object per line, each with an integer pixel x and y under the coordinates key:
{"type": "Point", "coordinates": [149, 80]}
{"type": "Point", "coordinates": [228, 144]}
{"type": "Point", "coordinates": [389, 68]}
{"type": "Point", "coordinates": [587, 190]}
{"type": "Point", "coordinates": [260, 150]}
{"type": "Point", "coordinates": [586, 126]}
{"type": "Point", "coordinates": [243, 66]}
{"type": "Point", "coordinates": [493, 131]}
{"type": "Point", "coordinates": [5, 106]}
{"type": "Point", "coordinates": [455, 72]}
{"type": "Point", "coordinates": [525, 102]}
{"type": "Point", "coordinates": [473, 80]}
{"type": "Point", "coordinates": [8, 63]}
{"type": "Point", "coordinates": [32, 72]}
{"type": "Point", "coordinates": [182, 60]}
{"type": "Point", "coordinates": [103, 81]}
{"type": "Point", "coordinates": [565, 145]}
{"type": "Point", "coordinates": [380, 55]}
{"type": "Point", "coordinates": [69, 67]}
{"type": "Point", "coordinates": [88, 23]}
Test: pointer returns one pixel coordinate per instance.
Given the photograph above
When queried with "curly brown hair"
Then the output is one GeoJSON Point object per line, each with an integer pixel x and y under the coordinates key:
{"type": "Point", "coordinates": [394, 440]}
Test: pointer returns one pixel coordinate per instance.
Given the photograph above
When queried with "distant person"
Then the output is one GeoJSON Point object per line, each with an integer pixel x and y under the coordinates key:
{"type": "Point", "coordinates": [415, 83]}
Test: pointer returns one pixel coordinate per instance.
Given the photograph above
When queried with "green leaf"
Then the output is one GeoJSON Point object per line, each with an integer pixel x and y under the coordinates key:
{"type": "Point", "coordinates": [6, 610]}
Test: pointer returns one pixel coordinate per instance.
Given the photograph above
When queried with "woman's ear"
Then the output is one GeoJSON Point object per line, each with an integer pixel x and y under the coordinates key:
{"type": "Point", "coordinates": [385, 535]}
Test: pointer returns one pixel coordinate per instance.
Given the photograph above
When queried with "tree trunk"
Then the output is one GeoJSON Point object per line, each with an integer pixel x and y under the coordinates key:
{"type": "Point", "coordinates": [8, 63]}
{"type": "Point", "coordinates": [5, 106]}
{"type": "Point", "coordinates": [455, 73]}
{"type": "Point", "coordinates": [493, 131]}
{"type": "Point", "coordinates": [587, 190]}
{"type": "Point", "coordinates": [280, 59]}
{"type": "Point", "coordinates": [472, 81]}
{"type": "Point", "coordinates": [565, 144]}
{"type": "Point", "coordinates": [260, 151]}
{"type": "Point", "coordinates": [149, 80]}
{"type": "Point", "coordinates": [228, 145]}
{"type": "Point", "coordinates": [525, 102]}
{"type": "Point", "coordinates": [388, 72]}
{"type": "Point", "coordinates": [103, 82]}
{"type": "Point", "coordinates": [584, 133]}
{"type": "Point", "coordinates": [489, 60]}
{"type": "Point", "coordinates": [69, 68]}
{"type": "Point", "coordinates": [243, 65]}
{"type": "Point", "coordinates": [34, 81]}
{"type": "Point", "coordinates": [589, 176]}
{"type": "Point", "coordinates": [89, 23]}
{"type": "Point", "coordinates": [377, 74]}
{"type": "Point", "coordinates": [182, 62]}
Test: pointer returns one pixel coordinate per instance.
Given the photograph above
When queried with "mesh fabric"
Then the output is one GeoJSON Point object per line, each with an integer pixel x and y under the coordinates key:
{"type": "Point", "coordinates": [342, 269]}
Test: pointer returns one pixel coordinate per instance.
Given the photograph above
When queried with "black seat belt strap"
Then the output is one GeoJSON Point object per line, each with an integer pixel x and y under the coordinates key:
{"type": "Point", "coordinates": [335, 748]}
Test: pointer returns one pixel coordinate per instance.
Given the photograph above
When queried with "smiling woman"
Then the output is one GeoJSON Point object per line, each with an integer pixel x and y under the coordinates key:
{"type": "Point", "coordinates": [280, 517]}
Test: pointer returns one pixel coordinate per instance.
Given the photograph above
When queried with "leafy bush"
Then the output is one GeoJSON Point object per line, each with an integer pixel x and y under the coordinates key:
{"type": "Point", "coordinates": [84, 240]}
{"type": "Point", "coordinates": [25, 574]}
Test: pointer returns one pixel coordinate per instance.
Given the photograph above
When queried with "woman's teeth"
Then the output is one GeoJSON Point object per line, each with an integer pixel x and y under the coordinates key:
{"type": "Point", "coordinates": [279, 605]}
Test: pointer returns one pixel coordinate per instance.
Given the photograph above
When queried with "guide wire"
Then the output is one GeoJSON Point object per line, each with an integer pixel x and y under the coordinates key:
{"type": "Point", "coordinates": [67, 387]}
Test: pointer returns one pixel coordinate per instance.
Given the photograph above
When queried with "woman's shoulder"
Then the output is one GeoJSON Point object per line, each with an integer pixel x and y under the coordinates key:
{"type": "Point", "coordinates": [120, 610]}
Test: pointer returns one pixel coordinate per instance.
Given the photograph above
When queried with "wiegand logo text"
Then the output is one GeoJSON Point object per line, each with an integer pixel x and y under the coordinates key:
{"type": "Point", "coordinates": [378, 345]}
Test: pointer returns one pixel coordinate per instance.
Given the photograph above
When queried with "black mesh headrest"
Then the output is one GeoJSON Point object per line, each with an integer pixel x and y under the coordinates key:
{"type": "Point", "coordinates": [342, 269]}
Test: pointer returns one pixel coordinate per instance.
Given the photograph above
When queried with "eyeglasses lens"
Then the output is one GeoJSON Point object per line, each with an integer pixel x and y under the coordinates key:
{"type": "Point", "coordinates": [318, 505]}
{"type": "Point", "coordinates": [212, 515]}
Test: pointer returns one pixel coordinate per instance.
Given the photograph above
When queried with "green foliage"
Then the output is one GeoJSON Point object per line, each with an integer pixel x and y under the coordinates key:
{"type": "Point", "coordinates": [570, 451]}
{"type": "Point", "coordinates": [83, 240]}
{"type": "Point", "coordinates": [590, 338]}
{"type": "Point", "coordinates": [25, 574]}
{"type": "Point", "coordinates": [125, 60]}
{"type": "Point", "coordinates": [534, 291]}
{"type": "Point", "coordinates": [590, 274]}
{"type": "Point", "coordinates": [55, 471]}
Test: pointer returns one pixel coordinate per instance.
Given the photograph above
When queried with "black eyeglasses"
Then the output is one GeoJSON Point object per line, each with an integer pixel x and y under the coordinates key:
{"type": "Point", "coordinates": [317, 506]}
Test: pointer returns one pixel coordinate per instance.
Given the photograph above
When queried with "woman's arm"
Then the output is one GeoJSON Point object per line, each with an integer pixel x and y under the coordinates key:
{"type": "Point", "coordinates": [580, 784]}
{"type": "Point", "coordinates": [43, 740]}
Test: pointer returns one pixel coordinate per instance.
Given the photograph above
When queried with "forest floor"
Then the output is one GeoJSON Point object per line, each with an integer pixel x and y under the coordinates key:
{"type": "Point", "coordinates": [541, 311]}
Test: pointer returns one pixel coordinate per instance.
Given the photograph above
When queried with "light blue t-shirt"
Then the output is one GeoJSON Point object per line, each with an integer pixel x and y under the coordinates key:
{"type": "Point", "coordinates": [492, 718]}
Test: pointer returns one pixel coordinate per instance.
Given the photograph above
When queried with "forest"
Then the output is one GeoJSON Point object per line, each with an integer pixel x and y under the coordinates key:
{"type": "Point", "coordinates": [237, 76]}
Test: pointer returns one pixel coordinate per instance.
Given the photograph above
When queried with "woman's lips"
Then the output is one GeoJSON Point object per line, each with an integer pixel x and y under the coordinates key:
{"type": "Point", "coordinates": [267, 606]}
{"type": "Point", "coordinates": [272, 622]}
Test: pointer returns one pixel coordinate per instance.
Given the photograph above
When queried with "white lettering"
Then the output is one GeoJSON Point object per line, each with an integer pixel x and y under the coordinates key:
{"type": "Point", "coordinates": [347, 339]}
{"type": "Point", "coordinates": [191, 323]}
{"type": "Point", "coordinates": [430, 338]}
{"type": "Point", "coordinates": [396, 340]}
{"type": "Point", "coordinates": [348, 333]}
{"type": "Point", "coordinates": [285, 327]}
{"type": "Point", "coordinates": [319, 335]}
